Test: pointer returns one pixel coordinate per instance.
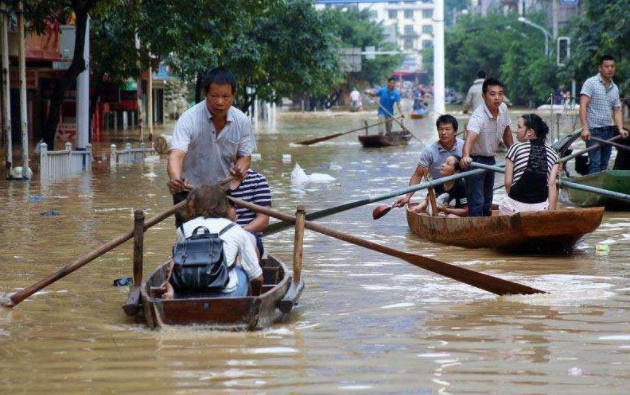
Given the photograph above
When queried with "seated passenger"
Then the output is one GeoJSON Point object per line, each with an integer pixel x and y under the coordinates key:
{"type": "Point", "coordinates": [454, 194]}
{"type": "Point", "coordinates": [253, 188]}
{"type": "Point", "coordinates": [531, 168]}
{"type": "Point", "coordinates": [210, 208]}
{"type": "Point", "coordinates": [434, 155]}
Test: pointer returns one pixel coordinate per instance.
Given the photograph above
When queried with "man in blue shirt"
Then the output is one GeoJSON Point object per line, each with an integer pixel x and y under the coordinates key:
{"type": "Point", "coordinates": [389, 95]}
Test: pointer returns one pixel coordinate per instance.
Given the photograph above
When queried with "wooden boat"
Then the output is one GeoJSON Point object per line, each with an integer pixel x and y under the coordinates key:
{"type": "Point", "coordinates": [612, 180]}
{"type": "Point", "coordinates": [235, 314]}
{"type": "Point", "coordinates": [547, 231]}
{"type": "Point", "coordinates": [389, 140]}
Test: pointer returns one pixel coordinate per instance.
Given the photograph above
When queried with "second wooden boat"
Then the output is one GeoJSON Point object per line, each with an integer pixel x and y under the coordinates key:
{"type": "Point", "coordinates": [388, 140]}
{"type": "Point", "coordinates": [547, 231]}
{"type": "Point", "coordinates": [235, 314]}
{"type": "Point", "coordinates": [612, 180]}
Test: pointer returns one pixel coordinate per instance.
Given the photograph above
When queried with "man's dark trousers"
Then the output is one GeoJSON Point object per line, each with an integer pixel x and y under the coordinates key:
{"type": "Point", "coordinates": [480, 188]}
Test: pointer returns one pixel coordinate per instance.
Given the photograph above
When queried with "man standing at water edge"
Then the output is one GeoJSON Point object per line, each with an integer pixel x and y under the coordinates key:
{"type": "Point", "coordinates": [488, 125]}
{"type": "Point", "coordinates": [598, 102]}
{"type": "Point", "coordinates": [389, 95]}
{"type": "Point", "coordinates": [432, 157]}
{"type": "Point", "coordinates": [211, 140]}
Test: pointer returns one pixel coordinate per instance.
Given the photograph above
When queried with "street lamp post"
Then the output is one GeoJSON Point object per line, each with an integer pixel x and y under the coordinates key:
{"type": "Point", "coordinates": [542, 29]}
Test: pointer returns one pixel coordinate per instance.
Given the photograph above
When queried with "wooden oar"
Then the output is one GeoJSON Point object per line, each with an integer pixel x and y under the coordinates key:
{"type": "Point", "coordinates": [591, 148]}
{"type": "Point", "coordinates": [563, 183]}
{"type": "Point", "coordinates": [332, 136]}
{"type": "Point", "coordinates": [19, 296]}
{"type": "Point", "coordinates": [280, 226]}
{"type": "Point", "coordinates": [483, 281]}
{"type": "Point", "coordinates": [618, 146]}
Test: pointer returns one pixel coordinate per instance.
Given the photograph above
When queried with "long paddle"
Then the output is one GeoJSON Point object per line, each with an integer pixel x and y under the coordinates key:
{"type": "Point", "coordinates": [280, 226]}
{"type": "Point", "coordinates": [17, 297]}
{"type": "Point", "coordinates": [332, 136]}
{"type": "Point", "coordinates": [591, 148]}
{"type": "Point", "coordinates": [618, 146]}
{"type": "Point", "coordinates": [566, 184]}
{"type": "Point", "coordinates": [483, 281]}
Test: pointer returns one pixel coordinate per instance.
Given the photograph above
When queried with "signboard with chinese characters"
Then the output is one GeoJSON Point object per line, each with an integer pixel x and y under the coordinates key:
{"type": "Point", "coordinates": [66, 133]}
{"type": "Point", "coordinates": [569, 2]}
{"type": "Point", "coordinates": [31, 78]}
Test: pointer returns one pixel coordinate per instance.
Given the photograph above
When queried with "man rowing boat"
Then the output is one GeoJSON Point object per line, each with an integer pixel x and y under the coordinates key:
{"type": "Point", "coordinates": [211, 140]}
{"type": "Point", "coordinates": [434, 155]}
{"type": "Point", "coordinates": [388, 96]}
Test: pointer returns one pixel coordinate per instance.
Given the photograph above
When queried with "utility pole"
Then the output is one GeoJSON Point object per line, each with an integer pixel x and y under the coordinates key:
{"type": "Point", "coordinates": [438, 58]}
{"type": "Point", "coordinates": [6, 89]}
{"type": "Point", "coordinates": [23, 103]}
{"type": "Point", "coordinates": [83, 95]}
{"type": "Point", "coordinates": [555, 9]}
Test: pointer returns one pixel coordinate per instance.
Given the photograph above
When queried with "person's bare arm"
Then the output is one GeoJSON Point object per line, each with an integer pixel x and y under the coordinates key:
{"type": "Point", "coordinates": [414, 180]}
{"type": "Point", "coordinates": [507, 137]}
{"type": "Point", "coordinates": [468, 101]}
{"type": "Point", "coordinates": [553, 189]}
{"type": "Point", "coordinates": [241, 166]}
{"type": "Point", "coordinates": [175, 168]}
{"type": "Point", "coordinates": [400, 112]}
{"type": "Point", "coordinates": [470, 141]}
{"type": "Point", "coordinates": [259, 223]}
{"type": "Point", "coordinates": [584, 102]}
{"type": "Point", "coordinates": [618, 114]}
{"type": "Point", "coordinates": [509, 174]}
{"type": "Point", "coordinates": [460, 212]}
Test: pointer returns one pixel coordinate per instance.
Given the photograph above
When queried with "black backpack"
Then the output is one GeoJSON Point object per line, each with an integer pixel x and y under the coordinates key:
{"type": "Point", "coordinates": [199, 262]}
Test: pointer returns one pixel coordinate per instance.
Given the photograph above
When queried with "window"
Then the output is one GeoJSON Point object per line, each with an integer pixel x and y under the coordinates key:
{"type": "Point", "coordinates": [409, 30]}
{"type": "Point", "coordinates": [427, 14]}
{"type": "Point", "coordinates": [427, 44]}
{"type": "Point", "coordinates": [408, 14]}
{"type": "Point", "coordinates": [408, 43]}
{"type": "Point", "coordinates": [427, 29]}
{"type": "Point", "coordinates": [393, 14]}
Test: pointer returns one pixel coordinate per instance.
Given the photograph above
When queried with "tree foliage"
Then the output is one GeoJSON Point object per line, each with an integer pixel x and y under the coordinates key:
{"type": "Point", "coordinates": [354, 28]}
{"type": "Point", "coordinates": [505, 49]}
{"type": "Point", "coordinates": [601, 29]}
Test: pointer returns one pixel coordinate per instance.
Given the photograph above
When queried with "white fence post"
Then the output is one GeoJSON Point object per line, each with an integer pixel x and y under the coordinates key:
{"type": "Point", "coordinates": [112, 156]}
{"type": "Point", "coordinates": [44, 165]}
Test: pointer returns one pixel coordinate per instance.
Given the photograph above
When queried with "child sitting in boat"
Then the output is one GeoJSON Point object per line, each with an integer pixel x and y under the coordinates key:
{"type": "Point", "coordinates": [454, 196]}
{"type": "Point", "coordinates": [253, 188]}
{"type": "Point", "coordinates": [209, 207]}
{"type": "Point", "coordinates": [531, 168]}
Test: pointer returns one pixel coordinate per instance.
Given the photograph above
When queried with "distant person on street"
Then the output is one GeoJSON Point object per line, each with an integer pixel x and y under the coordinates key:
{"type": "Point", "coordinates": [355, 100]}
{"type": "Point", "coordinates": [599, 102]}
{"type": "Point", "coordinates": [211, 140]}
{"type": "Point", "coordinates": [488, 125]}
{"type": "Point", "coordinates": [388, 96]}
{"type": "Point", "coordinates": [434, 155]}
{"type": "Point", "coordinates": [474, 98]}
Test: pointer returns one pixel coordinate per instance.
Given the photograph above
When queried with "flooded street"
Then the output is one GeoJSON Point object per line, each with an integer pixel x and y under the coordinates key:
{"type": "Point", "coordinates": [367, 322]}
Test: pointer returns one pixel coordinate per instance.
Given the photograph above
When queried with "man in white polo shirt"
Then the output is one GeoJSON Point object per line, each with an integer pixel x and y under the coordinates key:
{"type": "Point", "coordinates": [598, 103]}
{"type": "Point", "coordinates": [211, 140]}
{"type": "Point", "coordinates": [488, 125]}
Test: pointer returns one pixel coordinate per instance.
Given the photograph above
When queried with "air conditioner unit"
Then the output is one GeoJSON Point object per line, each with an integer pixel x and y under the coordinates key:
{"type": "Point", "coordinates": [66, 43]}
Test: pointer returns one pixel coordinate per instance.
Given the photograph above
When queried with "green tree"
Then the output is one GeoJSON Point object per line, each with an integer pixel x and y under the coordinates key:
{"type": "Point", "coordinates": [505, 49]}
{"type": "Point", "coordinates": [600, 29]}
{"type": "Point", "coordinates": [354, 28]}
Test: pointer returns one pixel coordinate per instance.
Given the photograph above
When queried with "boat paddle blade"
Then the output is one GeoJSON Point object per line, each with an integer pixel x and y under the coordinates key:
{"type": "Point", "coordinates": [381, 210]}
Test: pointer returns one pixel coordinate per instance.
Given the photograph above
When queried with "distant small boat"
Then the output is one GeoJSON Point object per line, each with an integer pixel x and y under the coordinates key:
{"type": "Point", "coordinates": [547, 231]}
{"type": "Point", "coordinates": [387, 140]}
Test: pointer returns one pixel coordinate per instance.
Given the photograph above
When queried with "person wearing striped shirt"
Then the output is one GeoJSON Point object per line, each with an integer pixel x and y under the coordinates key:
{"type": "Point", "coordinates": [531, 168]}
{"type": "Point", "coordinates": [253, 188]}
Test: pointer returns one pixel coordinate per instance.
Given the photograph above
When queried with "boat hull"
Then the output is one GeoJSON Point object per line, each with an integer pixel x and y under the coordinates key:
{"type": "Point", "coordinates": [234, 314]}
{"type": "Point", "coordinates": [379, 141]}
{"type": "Point", "coordinates": [612, 180]}
{"type": "Point", "coordinates": [529, 231]}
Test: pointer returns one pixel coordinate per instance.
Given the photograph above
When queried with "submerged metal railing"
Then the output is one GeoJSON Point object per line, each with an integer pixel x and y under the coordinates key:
{"type": "Point", "coordinates": [57, 165]}
{"type": "Point", "coordinates": [129, 155]}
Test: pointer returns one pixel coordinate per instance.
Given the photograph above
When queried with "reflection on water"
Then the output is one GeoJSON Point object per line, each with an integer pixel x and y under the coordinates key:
{"type": "Point", "coordinates": [367, 323]}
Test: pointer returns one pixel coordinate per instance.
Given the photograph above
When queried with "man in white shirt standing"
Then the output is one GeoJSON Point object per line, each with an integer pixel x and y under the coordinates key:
{"type": "Point", "coordinates": [488, 125]}
{"type": "Point", "coordinates": [599, 101]}
{"type": "Point", "coordinates": [211, 140]}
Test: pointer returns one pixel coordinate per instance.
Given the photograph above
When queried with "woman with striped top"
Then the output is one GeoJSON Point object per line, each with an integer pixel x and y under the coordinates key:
{"type": "Point", "coordinates": [531, 168]}
{"type": "Point", "coordinates": [253, 188]}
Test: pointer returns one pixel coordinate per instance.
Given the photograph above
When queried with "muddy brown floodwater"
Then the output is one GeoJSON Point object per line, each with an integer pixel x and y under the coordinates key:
{"type": "Point", "coordinates": [367, 323]}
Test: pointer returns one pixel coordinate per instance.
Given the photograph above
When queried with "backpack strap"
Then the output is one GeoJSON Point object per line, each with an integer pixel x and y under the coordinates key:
{"type": "Point", "coordinates": [230, 226]}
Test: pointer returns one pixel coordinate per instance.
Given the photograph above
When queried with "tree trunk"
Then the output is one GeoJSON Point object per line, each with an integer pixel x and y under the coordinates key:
{"type": "Point", "coordinates": [98, 83]}
{"type": "Point", "coordinates": [77, 66]}
{"type": "Point", "coordinates": [199, 88]}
